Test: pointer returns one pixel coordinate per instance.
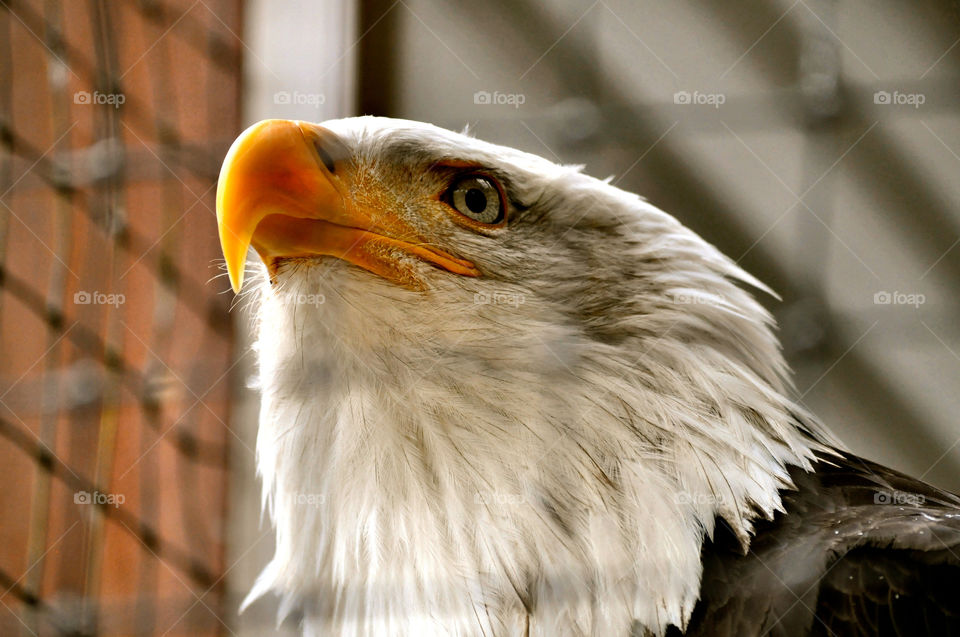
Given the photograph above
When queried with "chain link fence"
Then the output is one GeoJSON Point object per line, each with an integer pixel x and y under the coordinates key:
{"type": "Point", "coordinates": [115, 349]}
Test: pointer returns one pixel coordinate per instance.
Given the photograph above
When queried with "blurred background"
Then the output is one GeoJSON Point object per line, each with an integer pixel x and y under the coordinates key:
{"type": "Point", "coordinates": [816, 142]}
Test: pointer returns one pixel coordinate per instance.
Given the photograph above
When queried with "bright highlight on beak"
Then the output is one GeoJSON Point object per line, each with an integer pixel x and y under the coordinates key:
{"type": "Point", "coordinates": [280, 191]}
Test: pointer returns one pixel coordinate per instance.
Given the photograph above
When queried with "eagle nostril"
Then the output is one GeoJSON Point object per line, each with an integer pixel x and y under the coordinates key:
{"type": "Point", "coordinates": [329, 147]}
{"type": "Point", "coordinates": [324, 153]}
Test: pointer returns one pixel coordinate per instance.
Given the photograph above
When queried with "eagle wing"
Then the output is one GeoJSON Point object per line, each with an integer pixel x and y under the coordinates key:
{"type": "Point", "coordinates": [859, 550]}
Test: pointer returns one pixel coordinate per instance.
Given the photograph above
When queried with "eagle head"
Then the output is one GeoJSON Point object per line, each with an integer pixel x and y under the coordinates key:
{"type": "Point", "coordinates": [498, 395]}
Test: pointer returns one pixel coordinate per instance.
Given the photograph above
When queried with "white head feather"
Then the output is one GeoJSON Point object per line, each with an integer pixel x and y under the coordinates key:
{"type": "Point", "coordinates": [538, 451]}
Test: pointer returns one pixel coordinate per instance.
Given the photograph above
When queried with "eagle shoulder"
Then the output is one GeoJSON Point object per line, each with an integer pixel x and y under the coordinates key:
{"type": "Point", "coordinates": [859, 549]}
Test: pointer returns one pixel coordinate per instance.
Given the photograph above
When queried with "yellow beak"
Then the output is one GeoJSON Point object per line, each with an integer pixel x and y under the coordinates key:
{"type": "Point", "coordinates": [280, 190]}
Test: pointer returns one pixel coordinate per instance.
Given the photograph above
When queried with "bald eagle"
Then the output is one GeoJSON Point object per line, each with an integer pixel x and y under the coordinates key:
{"type": "Point", "coordinates": [503, 398]}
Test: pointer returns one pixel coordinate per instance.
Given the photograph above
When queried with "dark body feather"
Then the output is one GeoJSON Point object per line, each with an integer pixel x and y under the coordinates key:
{"type": "Point", "coordinates": [861, 550]}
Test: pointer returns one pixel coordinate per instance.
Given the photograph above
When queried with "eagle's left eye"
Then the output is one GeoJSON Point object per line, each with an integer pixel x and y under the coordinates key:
{"type": "Point", "coordinates": [477, 197]}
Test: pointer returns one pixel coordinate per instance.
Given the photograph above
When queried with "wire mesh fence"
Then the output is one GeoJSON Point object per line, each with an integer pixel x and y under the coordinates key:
{"type": "Point", "coordinates": [116, 352]}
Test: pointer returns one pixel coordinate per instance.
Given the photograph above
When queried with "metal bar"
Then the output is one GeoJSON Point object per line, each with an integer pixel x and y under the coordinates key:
{"type": "Point", "coordinates": [40, 502]}
{"type": "Point", "coordinates": [378, 46]}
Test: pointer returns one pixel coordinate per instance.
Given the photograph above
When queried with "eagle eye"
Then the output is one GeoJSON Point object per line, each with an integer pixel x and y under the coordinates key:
{"type": "Point", "coordinates": [477, 197]}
